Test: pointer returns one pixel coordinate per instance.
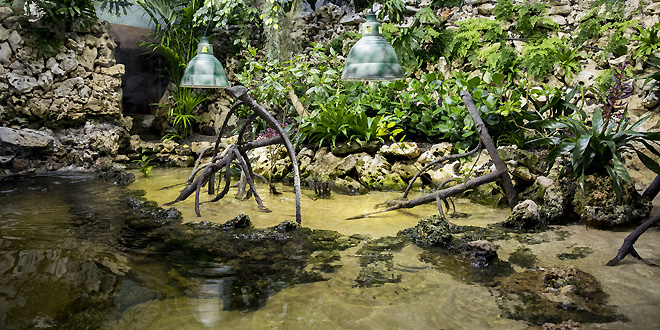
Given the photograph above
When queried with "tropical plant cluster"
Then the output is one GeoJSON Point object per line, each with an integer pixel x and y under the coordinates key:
{"type": "Point", "coordinates": [519, 109]}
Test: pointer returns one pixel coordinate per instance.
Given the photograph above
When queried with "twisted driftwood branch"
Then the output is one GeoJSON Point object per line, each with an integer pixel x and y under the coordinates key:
{"type": "Point", "coordinates": [627, 246]}
{"type": "Point", "coordinates": [238, 153]}
{"type": "Point", "coordinates": [501, 173]}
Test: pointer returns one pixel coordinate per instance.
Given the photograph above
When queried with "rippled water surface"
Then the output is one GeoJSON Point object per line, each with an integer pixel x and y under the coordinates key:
{"type": "Point", "coordinates": [63, 265]}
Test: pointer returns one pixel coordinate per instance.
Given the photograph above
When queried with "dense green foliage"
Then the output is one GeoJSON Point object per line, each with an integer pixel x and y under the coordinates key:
{"type": "Point", "coordinates": [599, 147]}
{"type": "Point", "coordinates": [539, 59]}
{"type": "Point", "coordinates": [175, 31]}
{"type": "Point", "coordinates": [183, 102]}
{"type": "Point", "coordinates": [649, 40]}
{"type": "Point", "coordinates": [242, 14]}
{"type": "Point", "coordinates": [177, 37]}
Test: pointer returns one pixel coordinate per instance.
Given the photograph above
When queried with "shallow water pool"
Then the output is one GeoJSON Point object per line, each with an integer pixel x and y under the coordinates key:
{"type": "Point", "coordinates": [63, 264]}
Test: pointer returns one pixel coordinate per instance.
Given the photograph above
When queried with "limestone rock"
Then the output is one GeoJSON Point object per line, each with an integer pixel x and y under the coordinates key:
{"type": "Point", "coordinates": [5, 12]}
{"type": "Point", "coordinates": [475, 2]}
{"type": "Point", "coordinates": [64, 88]}
{"type": "Point", "coordinates": [349, 186]}
{"type": "Point", "coordinates": [598, 205]}
{"type": "Point", "coordinates": [328, 166]}
{"type": "Point", "coordinates": [486, 9]}
{"type": "Point", "coordinates": [25, 138]}
{"type": "Point", "coordinates": [45, 79]}
{"type": "Point", "coordinates": [354, 19]}
{"type": "Point", "coordinates": [114, 71]}
{"type": "Point", "coordinates": [353, 147]}
{"type": "Point", "coordinates": [408, 150]}
{"type": "Point", "coordinates": [560, 10]}
{"type": "Point", "coordinates": [372, 170]}
{"type": "Point", "coordinates": [559, 293]}
{"type": "Point", "coordinates": [431, 231]}
{"type": "Point", "coordinates": [525, 215]}
{"type": "Point", "coordinates": [88, 57]}
{"type": "Point", "coordinates": [68, 61]}
{"type": "Point", "coordinates": [559, 20]}
{"type": "Point", "coordinates": [22, 83]}
{"type": "Point", "coordinates": [4, 33]}
{"type": "Point", "coordinates": [15, 40]}
{"type": "Point", "coordinates": [436, 151]}
{"type": "Point", "coordinates": [650, 101]}
{"type": "Point", "coordinates": [5, 53]}
{"type": "Point", "coordinates": [479, 253]}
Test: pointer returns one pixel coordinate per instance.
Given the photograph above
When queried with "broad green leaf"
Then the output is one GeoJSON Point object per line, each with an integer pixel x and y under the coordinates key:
{"type": "Point", "coordinates": [580, 146]}
{"type": "Point", "coordinates": [615, 183]}
{"type": "Point", "coordinates": [620, 170]}
{"type": "Point", "coordinates": [597, 122]}
{"type": "Point", "coordinates": [648, 162]}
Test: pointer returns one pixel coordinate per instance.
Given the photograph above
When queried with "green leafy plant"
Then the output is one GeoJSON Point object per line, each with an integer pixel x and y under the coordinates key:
{"type": "Point", "coordinates": [60, 17]}
{"type": "Point", "coordinates": [175, 31]}
{"type": "Point", "coordinates": [472, 33]}
{"type": "Point", "coordinates": [394, 9]}
{"type": "Point", "coordinates": [504, 10]}
{"type": "Point", "coordinates": [143, 163]}
{"type": "Point", "coordinates": [568, 58]}
{"type": "Point", "coordinates": [539, 59]}
{"type": "Point", "coordinates": [337, 121]}
{"type": "Point", "coordinates": [66, 15]}
{"type": "Point", "coordinates": [600, 147]}
{"type": "Point", "coordinates": [499, 57]}
{"type": "Point", "coordinates": [180, 111]}
{"type": "Point", "coordinates": [649, 40]}
{"type": "Point", "coordinates": [594, 25]}
{"type": "Point", "coordinates": [531, 22]}
{"type": "Point", "coordinates": [655, 77]}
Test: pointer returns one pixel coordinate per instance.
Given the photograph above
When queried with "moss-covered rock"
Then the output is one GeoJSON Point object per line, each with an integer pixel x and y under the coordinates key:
{"type": "Point", "coordinates": [525, 216]}
{"type": "Point", "coordinates": [555, 294]}
{"type": "Point", "coordinates": [598, 205]}
{"type": "Point", "coordinates": [431, 231]}
{"type": "Point", "coordinates": [375, 258]}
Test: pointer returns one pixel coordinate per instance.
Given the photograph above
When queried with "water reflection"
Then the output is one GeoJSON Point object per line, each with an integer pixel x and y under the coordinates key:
{"type": "Point", "coordinates": [210, 304]}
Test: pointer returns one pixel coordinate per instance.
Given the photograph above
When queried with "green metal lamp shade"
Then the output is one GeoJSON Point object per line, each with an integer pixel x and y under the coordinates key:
{"type": "Point", "coordinates": [204, 70]}
{"type": "Point", "coordinates": [372, 57]}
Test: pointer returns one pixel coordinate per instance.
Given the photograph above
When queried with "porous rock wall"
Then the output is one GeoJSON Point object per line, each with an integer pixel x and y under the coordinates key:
{"type": "Point", "coordinates": [58, 111]}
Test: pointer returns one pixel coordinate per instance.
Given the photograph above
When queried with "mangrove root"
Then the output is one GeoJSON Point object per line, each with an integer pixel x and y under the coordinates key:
{"type": "Point", "coordinates": [237, 153]}
{"type": "Point", "coordinates": [628, 243]}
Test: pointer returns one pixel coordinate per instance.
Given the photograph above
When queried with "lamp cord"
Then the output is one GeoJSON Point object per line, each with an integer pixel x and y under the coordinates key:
{"type": "Point", "coordinates": [210, 18]}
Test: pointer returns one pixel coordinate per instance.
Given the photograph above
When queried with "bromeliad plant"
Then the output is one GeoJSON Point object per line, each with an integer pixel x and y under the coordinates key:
{"type": "Point", "coordinates": [599, 148]}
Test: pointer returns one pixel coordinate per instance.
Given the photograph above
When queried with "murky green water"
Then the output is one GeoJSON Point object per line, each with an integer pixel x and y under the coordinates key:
{"type": "Point", "coordinates": [64, 265]}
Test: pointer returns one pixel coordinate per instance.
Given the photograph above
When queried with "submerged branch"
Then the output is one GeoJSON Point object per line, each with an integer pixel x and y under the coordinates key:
{"type": "Point", "coordinates": [432, 197]}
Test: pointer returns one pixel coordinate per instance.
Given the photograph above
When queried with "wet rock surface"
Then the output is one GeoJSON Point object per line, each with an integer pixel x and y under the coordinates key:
{"type": "Point", "coordinates": [466, 253]}
{"type": "Point", "coordinates": [598, 205]}
{"type": "Point", "coordinates": [554, 295]}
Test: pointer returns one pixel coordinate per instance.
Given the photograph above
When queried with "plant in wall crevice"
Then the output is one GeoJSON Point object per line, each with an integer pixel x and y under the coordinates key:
{"type": "Point", "coordinates": [180, 111]}
{"type": "Point", "coordinates": [568, 59]}
{"type": "Point", "coordinates": [649, 40]}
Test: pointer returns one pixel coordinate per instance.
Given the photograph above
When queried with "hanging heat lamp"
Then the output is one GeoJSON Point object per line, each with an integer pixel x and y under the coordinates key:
{"type": "Point", "coordinates": [204, 70]}
{"type": "Point", "coordinates": [372, 57]}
